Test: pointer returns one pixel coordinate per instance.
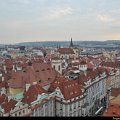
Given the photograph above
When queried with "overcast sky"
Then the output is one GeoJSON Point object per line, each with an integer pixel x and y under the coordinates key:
{"type": "Point", "coordinates": [38, 20]}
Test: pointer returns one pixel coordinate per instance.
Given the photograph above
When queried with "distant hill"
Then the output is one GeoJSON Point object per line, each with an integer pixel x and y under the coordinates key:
{"type": "Point", "coordinates": [107, 43]}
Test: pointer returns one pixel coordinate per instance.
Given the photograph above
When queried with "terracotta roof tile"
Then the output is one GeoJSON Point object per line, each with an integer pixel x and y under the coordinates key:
{"type": "Point", "coordinates": [111, 64]}
{"type": "Point", "coordinates": [65, 51]}
{"type": "Point", "coordinates": [83, 62]}
{"type": "Point", "coordinates": [7, 106]}
{"type": "Point", "coordinates": [69, 88]}
{"type": "Point", "coordinates": [2, 98]}
{"type": "Point", "coordinates": [90, 65]}
{"type": "Point", "coordinates": [32, 93]}
{"type": "Point", "coordinates": [115, 92]}
{"type": "Point", "coordinates": [90, 75]}
{"type": "Point", "coordinates": [113, 110]}
{"type": "Point", "coordinates": [34, 73]}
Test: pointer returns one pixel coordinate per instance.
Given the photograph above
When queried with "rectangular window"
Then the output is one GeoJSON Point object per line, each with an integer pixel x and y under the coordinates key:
{"type": "Point", "coordinates": [70, 107]}
{"type": "Point", "coordinates": [59, 67]}
{"type": "Point", "coordinates": [15, 114]}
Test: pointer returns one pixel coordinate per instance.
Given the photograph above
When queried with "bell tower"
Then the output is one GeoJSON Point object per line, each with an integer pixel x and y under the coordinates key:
{"type": "Point", "coordinates": [57, 64]}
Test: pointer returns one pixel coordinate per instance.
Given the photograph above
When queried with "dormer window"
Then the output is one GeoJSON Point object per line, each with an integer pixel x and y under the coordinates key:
{"type": "Point", "coordinates": [114, 113]}
{"type": "Point", "coordinates": [43, 69]}
{"type": "Point", "coordinates": [39, 81]}
{"type": "Point", "coordinates": [48, 69]}
{"type": "Point", "coordinates": [37, 70]}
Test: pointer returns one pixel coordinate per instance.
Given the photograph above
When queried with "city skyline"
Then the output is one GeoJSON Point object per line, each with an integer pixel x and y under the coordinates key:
{"type": "Point", "coordinates": [38, 20]}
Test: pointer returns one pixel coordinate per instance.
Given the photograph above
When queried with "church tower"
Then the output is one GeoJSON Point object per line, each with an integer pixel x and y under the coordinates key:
{"type": "Point", "coordinates": [57, 64]}
{"type": "Point", "coordinates": [75, 49]}
{"type": "Point", "coordinates": [71, 43]}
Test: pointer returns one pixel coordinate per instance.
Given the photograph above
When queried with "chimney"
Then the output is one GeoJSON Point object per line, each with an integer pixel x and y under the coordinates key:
{"type": "Point", "coordinates": [2, 78]}
{"type": "Point", "coordinates": [0, 74]}
{"type": "Point", "coordinates": [4, 68]}
{"type": "Point", "coordinates": [34, 83]}
{"type": "Point", "coordinates": [9, 98]}
{"type": "Point", "coordinates": [27, 86]}
{"type": "Point", "coordinates": [85, 73]}
{"type": "Point", "coordinates": [14, 68]}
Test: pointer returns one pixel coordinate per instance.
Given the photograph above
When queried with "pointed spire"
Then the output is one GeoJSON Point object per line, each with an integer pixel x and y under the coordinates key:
{"type": "Point", "coordinates": [59, 46]}
{"type": "Point", "coordinates": [71, 43]}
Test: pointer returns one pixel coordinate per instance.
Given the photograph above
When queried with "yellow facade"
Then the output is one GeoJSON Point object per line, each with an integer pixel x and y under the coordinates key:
{"type": "Point", "coordinates": [14, 56]}
{"type": "Point", "coordinates": [14, 91]}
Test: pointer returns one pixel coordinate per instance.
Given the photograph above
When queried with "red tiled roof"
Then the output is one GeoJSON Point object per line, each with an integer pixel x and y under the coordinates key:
{"type": "Point", "coordinates": [115, 92]}
{"type": "Point", "coordinates": [83, 62]}
{"type": "Point", "coordinates": [113, 110]}
{"type": "Point", "coordinates": [56, 83]}
{"type": "Point", "coordinates": [90, 65]}
{"type": "Point", "coordinates": [2, 98]}
{"type": "Point", "coordinates": [9, 63]}
{"type": "Point", "coordinates": [90, 75]}
{"type": "Point", "coordinates": [2, 84]}
{"type": "Point", "coordinates": [7, 106]}
{"type": "Point", "coordinates": [32, 93]}
{"type": "Point", "coordinates": [69, 89]}
{"type": "Point", "coordinates": [34, 73]}
{"type": "Point", "coordinates": [115, 64]}
{"type": "Point", "coordinates": [17, 80]}
{"type": "Point", "coordinates": [65, 51]}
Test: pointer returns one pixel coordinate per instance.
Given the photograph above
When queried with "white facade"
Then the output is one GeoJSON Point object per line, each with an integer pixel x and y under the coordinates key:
{"type": "Point", "coordinates": [45, 109]}
{"type": "Point", "coordinates": [83, 67]}
{"type": "Point", "coordinates": [96, 92]}
{"type": "Point", "coordinates": [70, 107]}
{"type": "Point", "coordinates": [20, 109]}
{"type": "Point", "coordinates": [76, 51]}
{"type": "Point", "coordinates": [57, 65]}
